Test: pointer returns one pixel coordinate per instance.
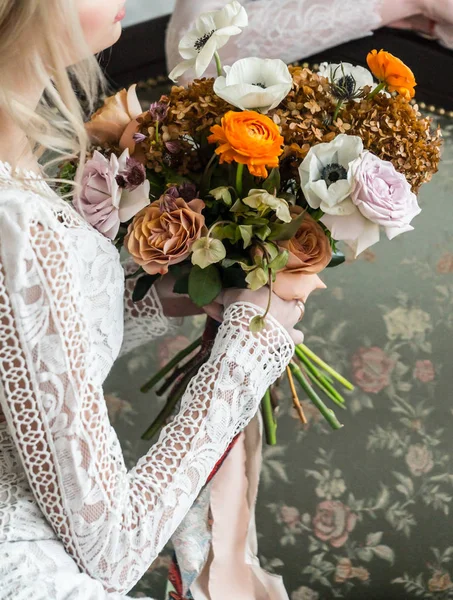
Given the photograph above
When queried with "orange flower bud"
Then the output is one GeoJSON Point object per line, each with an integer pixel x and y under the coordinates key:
{"type": "Point", "coordinates": [397, 76]}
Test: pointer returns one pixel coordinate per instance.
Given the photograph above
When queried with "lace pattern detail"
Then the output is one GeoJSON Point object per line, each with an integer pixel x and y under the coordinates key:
{"type": "Point", "coordinates": [286, 29]}
{"type": "Point", "coordinates": [144, 320]}
{"type": "Point", "coordinates": [55, 324]}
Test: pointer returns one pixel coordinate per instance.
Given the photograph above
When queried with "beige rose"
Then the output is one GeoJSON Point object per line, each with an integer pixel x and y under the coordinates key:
{"type": "Point", "coordinates": [109, 123]}
{"type": "Point", "coordinates": [309, 253]}
{"type": "Point", "coordinates": [345, 571]}
{"type": "Point", "coordinates": [162, 235]}
{"type": "Point", "coordinates": [439, 582]}
{"type": "Point", "coordinates": [419, 459]}
{"type": "Point", "coordinates": [407, 323]}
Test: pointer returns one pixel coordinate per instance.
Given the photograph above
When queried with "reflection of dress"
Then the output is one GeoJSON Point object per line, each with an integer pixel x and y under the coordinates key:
{"type": "Point", "coordinates": [74, 523]}
{"type": "Point", "coordinates": [286, 29]}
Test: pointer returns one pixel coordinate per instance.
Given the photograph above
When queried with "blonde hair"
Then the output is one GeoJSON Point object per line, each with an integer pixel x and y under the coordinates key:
{"type": "Point", "coordinates": [34, 37]}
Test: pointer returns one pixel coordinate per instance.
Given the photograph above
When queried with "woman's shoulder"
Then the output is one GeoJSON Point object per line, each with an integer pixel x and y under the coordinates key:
{"type": "Point", "coordinates": [22, 205]}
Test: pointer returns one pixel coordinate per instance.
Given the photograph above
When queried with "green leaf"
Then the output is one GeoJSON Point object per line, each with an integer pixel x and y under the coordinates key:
{"type": "Point", "coordinates": [246, 234]}
{"type": "Point", "coordinates": [263, 232]}
{"type": "Point", "coordinates": [182, 285]}
{"type": "Point", "coordinates": [285, 231]}
{"type": "Point", "coordinates": [207, 251]}
{"type": "Point", "coordinates": [272, 250]}
{"type": "Point", "coordinates": [280, 261]}
{"type": "Point", "coordinates": [143, 285]}
{"type": "Point", "coordinates": [273, 182]}
{"type": "Point", "coordinates": [222, 194]}
{"type": "Point", "coordinates": [204, 285]}
{"type": "Point", "coordinates": [257, 279]}
{"type": "Point", "coordinates": [227, 232]}
{"type": "Point", "coordinates": [256, 221]}
{"type": "Point", "coordinates": [239, 207]}
{"type": "Point", "coordinates": [338, 258]}
{"type": "Point", "coordinates": [257, 324]}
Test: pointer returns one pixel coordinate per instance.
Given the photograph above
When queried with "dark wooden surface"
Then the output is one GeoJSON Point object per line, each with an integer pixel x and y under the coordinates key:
{"type": "Point", "coordinates": [140, 54]}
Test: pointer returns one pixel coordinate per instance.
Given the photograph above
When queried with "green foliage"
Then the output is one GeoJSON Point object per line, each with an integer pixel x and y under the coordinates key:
{"type": "Point", "coordinates": [204, 285]}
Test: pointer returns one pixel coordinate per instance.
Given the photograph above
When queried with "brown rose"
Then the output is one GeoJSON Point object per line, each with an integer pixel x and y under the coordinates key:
{"type": "Point", "coordinates": [108, 124]}
{"type": "Point", "coordinates": [372, 369]}
{"type": "Point", "coordinates": [439, 582]}
{"type": "Point", "coordinates": [424, 371]}
{"type": "Point", "coordinates": [162, 236]}
{"type": "Point", "coordinates": [345, 571]}
{"type": "Point", "coordinates": [333, 522]}
{"type": "Point", "coordinates": [419, 459]}
{"type": "Point", "coordinates": [309, 253]}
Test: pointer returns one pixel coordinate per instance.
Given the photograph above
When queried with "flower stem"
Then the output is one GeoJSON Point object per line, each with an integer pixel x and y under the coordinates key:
{"type": "Point", "coordinates": [327, 413]}
{"type": "Point", "coordinates": [376, 90]}
{"type": "Point", "coordinates": [157, 132]}
{"type": "Point", "coordinates": [171, 365]}
{"type": "Point", "coordinates": [319, 380]}
{"type": "Point", "coordinates": [218, 64]}
{"type": "Point", "coordinates": [337, 110]}
{"type": "Point", "coordinates": [296, 401]}
{"type": "Point", "coordinates": [312, 356]}
{"type": "Point", "coordinates": [239, 178]}
{"type": "Point", "coordinates": [270, 425]}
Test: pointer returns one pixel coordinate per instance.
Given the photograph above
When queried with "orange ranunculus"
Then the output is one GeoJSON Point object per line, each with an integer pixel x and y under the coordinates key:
{"type": "Point", "coordinates": [248, 138]}
{"type": "Point", "coordinates": [108, 124]}
{"type": "Point", "coordinates": [398, 77]}
{"type": "Point", "coordinates": [158, 238]}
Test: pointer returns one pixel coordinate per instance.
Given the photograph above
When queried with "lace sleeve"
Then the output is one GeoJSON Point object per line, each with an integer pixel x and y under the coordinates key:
{"type": "Point", "coordinates": [286, 29]}
{"type": "Point", "coordinates": [113, 522]}
{"type": "Point", "coordinates": [144, 320]}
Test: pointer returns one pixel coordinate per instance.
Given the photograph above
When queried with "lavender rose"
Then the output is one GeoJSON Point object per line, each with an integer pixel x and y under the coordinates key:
{"type": "Point", "coordinates": [113, 192]}
{"type": "Point", "coordinates": [383, 195]}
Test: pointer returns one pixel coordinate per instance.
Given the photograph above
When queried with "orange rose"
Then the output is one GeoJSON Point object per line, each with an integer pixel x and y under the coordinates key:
{"type": "Point", "coordinates": [159, 238]}
{"type": "Point", "coordinates": [391, 70]}
{"type": "Point", "coordinates": [309, 254]}
{"type": "Point", "coordinates": [108, 124]}
{"type": "Point", "coordinates": [248, 138]}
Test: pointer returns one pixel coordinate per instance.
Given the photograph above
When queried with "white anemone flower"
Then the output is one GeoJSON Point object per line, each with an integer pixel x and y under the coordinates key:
{"type": "Point", "coordinates": [210, 32]}
{"type": "Point", "coordinates": [327, 174]}
{"type": "Point", "coordinates": [347, 80]}
{"type": "Point", "coordinates": [255, 83]}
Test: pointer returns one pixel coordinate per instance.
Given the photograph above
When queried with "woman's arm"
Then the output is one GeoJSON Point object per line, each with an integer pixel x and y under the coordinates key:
{"type": "Point", "coordinates": [113, 522]}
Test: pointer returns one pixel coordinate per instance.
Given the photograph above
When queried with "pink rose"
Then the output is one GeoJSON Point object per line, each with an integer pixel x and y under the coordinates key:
{"type": "Point", "coordinates": [333, 522]}
{"type": "Point", "coordinates": [381, 197]}
{"type": "Point", "coordinates": [372, 369]}
{"type": "Point", "coordinates": [424, 371]}
{"type": "Point", "coordinates": [113, 192]}
{"type": "Point", "coordinates": [419, 459]}
{"type": "Point", "coordinates": [384, 196]}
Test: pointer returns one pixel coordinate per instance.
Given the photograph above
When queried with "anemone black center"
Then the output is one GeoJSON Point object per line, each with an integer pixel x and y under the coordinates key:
{"type": "Point", "coordinates": [347, 83]}
{"type": "Point", "coordinates": [333, 173]}
{"type": "Point", "coordinates": [202, 41]}
{"type": "Point", "coordinates": [261, 85]}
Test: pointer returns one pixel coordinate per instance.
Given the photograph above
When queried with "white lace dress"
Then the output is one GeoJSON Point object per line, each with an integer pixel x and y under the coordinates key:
{"type": "Point", "coordinates": [74, 523]}
{"type": "Point", "coordinates": [287, 29]}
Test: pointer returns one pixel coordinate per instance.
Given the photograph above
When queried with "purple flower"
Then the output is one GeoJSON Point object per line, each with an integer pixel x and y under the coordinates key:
{"type": "Point", "coordinates": [384, 196]}
{"type": "Point", "coordinates": [102, 201]}
{"type": "Point", "coordinates": [158, 111]}
{"type": "Point", "coordinates": [187, 191]}
{"type": "Point", "coordinates": [133, 175]}
{"type": "Point", "coordinates": [138, 138]}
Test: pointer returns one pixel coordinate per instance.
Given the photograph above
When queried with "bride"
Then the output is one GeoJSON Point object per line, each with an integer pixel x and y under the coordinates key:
{"type": "Point", "coordinates": [295, 29]}
{"type": "Point", "coordinates": [74, 523]}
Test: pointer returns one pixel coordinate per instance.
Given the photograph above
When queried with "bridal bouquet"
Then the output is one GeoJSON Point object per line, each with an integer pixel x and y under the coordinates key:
{"type": "Point", "coordinates": [252, 179]}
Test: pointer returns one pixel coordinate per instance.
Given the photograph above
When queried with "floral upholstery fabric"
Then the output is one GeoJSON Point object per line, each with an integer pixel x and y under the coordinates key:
{"type": "Point", "coordinates": [363, 512]}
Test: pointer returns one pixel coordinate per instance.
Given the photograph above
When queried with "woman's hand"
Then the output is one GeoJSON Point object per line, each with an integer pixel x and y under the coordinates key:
{"type": "Point", "coordinates": [180, 305]}
{"type": "Point", "coordinates": [287, 312]}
